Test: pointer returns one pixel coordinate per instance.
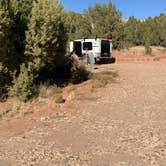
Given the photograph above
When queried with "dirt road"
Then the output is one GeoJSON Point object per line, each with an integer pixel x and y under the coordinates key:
{"type": "Point", "coordinates": [123, 124]}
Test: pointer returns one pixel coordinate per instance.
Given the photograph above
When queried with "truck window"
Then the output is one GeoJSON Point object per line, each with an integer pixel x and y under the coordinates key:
{"type": "Point", "coordinates": [87, 46]}
{"type": "Point", "coordinates": [105, 47]}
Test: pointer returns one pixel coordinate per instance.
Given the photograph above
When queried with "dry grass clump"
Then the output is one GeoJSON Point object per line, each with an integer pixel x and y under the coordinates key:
{"type": "Point", "coordinates": [103, 78]}
{"type": "Point", "coordinates": [46, 93]}
{"type": "Point", "coordinates": [17, 108]}
{"type": "Point", "coordinates": [53, 92]}
{"type": "Point", "coordinates": [79, 73]}
{"type": "Point", "coordinates": [148, 50]}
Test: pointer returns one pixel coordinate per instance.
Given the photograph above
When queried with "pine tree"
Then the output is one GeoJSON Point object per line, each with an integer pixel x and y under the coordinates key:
{"type": "Point", "coordinates": [80, 26]}
{"type": "Point", "coordinates": [47, 33]}
{"type": "Point", "coordinates": [161, 22]}
{"type": "Point", "coordinates": [21, 19]}
{"type": "Point", "coordinates": [46, 39]}
{"type": "Point", "coordinates": [105, 19]}
{"type": "Point", "coordinates": [132, 30]}
{"type": "Point", "coordinates": [13, 24]}
{"type": "Point", "coordinates": [5, 27]}
{"type": "Point", "coordinates": [5, 48]}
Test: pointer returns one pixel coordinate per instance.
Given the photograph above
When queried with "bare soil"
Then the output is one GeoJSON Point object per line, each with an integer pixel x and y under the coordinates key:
{"type": "Point", "coordinates": [137, 54]}
{"type": "Point", "coordinates": [122, 124]}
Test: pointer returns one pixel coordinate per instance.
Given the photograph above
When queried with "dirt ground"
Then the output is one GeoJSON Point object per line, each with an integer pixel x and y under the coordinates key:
{"type": "Point", "coordinates": [123, 124]}
{"type": "Point", "coordinates": [137, 54]}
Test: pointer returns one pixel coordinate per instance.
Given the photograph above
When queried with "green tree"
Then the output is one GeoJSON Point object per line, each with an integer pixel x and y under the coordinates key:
{"type": "Point", "coordinates": [13, 24]}
{"type": "Point", "coordinates": [154, 32]}
{"type": "Point", "coordinates": [105, 19]}
{"type": "Point", "coordinates": [132, 30]}
{"type": "Point", "coordinates": [5, 33]}
{"type": "Point", "coordinates": [149, 31]}
{"type": "Point", "coordinates": [21, 19]}
{"type": "Point", "coordinates": [5, 47]}
{"type": "Point", "coordinates": [46, 41]}
{"type": "Point", "coordinates": [161, 29]}
{"type": "Point", "coordinates": [80, 26]}
{"type": "Point", "coordinates": [47, 33]}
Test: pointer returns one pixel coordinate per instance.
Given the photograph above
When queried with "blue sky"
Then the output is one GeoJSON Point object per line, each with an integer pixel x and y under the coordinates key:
{"type": "Point", "coordinates": [141, 9]}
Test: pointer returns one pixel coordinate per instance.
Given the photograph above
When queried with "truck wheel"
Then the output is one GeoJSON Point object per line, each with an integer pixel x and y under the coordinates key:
{"type": "Point", "coordinates": [112, 60]}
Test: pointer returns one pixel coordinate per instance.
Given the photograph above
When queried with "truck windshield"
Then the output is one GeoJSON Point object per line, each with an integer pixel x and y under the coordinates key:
{"type": "Point", "coordinates": [105, 47]}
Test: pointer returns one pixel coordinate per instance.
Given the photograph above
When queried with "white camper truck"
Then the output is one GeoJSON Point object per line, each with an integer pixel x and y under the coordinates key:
{"type": "Point", "coordinates": [100, 48]}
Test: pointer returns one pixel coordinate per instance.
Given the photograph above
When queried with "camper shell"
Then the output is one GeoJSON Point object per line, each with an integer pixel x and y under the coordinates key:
{"type": "Point", "coordinates": [100, 48]}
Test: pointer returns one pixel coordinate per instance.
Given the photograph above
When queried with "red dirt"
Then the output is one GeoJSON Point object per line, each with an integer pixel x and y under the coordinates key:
{"type": "Point", "coordinates": [121, 124]}
{"type": "Point", "coordinates": [137, 54]}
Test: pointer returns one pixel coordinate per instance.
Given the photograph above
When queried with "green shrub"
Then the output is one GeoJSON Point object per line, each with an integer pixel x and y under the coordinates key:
{"type": "Point", "coordinates": [23, 85]}
{"type": "Point", "coordinates": [3, 75]}
{"type": "Point", "coordinates": [46, 40]}
{"type": "Point", "coordinates": [47, 33]}
{"type": "Point", "coordinates": [51, 91]}
{"type": "Point", "coordinates": [5, 79]}
{"type": "Point", "coordinates": [148, 50]}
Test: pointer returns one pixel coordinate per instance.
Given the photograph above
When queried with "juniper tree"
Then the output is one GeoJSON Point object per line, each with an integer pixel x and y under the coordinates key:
{"type": "Point", "coordinates": [14, 16]}
{"type": "Point", "coordinates": [5, 27]}
{"type": "Point", "coordinates": [47, 33]}
{"type": "Point", "coordinates": [46, 40]}
{"type": "Point", "coordinates": [80, 26]}
{"type": "Point", "coordinates": [133, 31]}
{"type": "Point", "coordinates": [105, 19]}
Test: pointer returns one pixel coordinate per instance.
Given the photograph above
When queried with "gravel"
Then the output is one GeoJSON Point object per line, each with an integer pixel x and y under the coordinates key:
{"type": "Point", "coordinates": [124, 125]}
